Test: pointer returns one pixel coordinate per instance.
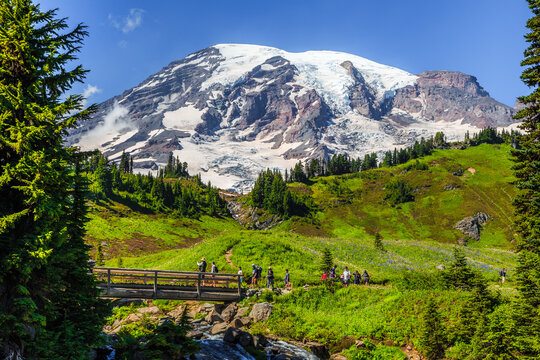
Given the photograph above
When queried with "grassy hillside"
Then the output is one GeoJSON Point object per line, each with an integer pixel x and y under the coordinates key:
{"type": "Point", "coordinates": [418, 236]}
{"type": "Point", "coordinates": [353, 205]}
{"type": "Point", "coordinates": [132, 231]}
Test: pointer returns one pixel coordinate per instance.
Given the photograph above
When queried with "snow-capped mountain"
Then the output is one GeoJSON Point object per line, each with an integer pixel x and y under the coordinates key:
{"type": "Point", "coordinates": [232, 110]}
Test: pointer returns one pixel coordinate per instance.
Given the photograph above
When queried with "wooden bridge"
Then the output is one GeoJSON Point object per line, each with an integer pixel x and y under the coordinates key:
{"type": "Point", "coordinates": [164, 284]}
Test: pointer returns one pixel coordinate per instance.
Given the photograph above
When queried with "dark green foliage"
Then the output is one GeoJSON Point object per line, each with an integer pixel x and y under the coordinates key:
{"type": "Point", "coordinates": [527, 203]}
{"type": "Point", "coordinates": [48, 304]}
{"type": "Point", "coordinates": [168, 340]}
{"type": "Point", "coordinates": [327, 260]}
{"type": "Point", "coordinates": [459, 274]}
{"type": "Point", "coordinates": [270, 192]}
{"type": "Point", "coordinates": [398, 192]}
{"type": "Point", "coordinates": [164, 193]}
{"type": "Point", "coordinates": [377, 242]}
{"type": "Point", "coordinates": [416, 280]}
{"type": "Point", "coordinates": [99, 255]}
{"type": "Point", "coordinates": [417, 165]}
{"type": "Point", "coordinates": [493, 339]}
{"type": "Point", "coordinates": [432, 336]}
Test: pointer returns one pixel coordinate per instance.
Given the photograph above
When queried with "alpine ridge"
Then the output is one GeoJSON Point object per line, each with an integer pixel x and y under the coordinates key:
{"type": "Point", "coordinates": [232, 110]}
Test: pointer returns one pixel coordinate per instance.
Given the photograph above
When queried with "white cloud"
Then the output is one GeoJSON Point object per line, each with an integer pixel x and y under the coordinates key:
{"type": "Point", "coordinates": [128, 23]}
{"type": "Point", "coordinates": [88, 92]}
{"type": "Point", "coordinates": [115, 122]}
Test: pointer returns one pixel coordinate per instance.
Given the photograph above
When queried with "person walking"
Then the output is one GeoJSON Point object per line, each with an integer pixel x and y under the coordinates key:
{"type": "Point", "coordinates": [333, 272]}
{"type": "Point", "coordinates": [287, 279]}
{"type": "Point", "coordinates": [324, 275]}
{"type": "Point", "coordinates": [202, 267]}
{"type": "Point", "coordinates": [357, 278]}
{"type": "Point", "coordinates": [254, 273]}
{"type": "Point", "coordinates": [240, 275]}
{"type": "Point", "coordinates": [502, 273]}
{"type": "Point", "coordinates": [270, 278]}
{"type": "Point", "coordinates": [365, 278]}
{"type": "Point", "coordinates": [214, 270]}
{"type": "Point", "coordinates": [346, 276]}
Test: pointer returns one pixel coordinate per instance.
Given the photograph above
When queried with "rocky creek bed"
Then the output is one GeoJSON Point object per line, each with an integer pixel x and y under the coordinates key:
{"type": "Point", "coordinates": [220, 330]}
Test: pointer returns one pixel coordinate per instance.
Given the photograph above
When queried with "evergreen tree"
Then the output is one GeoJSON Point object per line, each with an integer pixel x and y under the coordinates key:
{"type": "Point", "coordinates": [377, 242]}
{"type": "Point", "coordinates": [527, 202]}
{"type": "Point", "coordinates": [493, 340]}
{"type": "Point", "coordinates": [459, 274]}
{"type": "Point", "coordinates": [432, 336]}
{"type": "Point", "coordinates": [43, 268]}
{"type": "Point", "coordinates": [327, 260]}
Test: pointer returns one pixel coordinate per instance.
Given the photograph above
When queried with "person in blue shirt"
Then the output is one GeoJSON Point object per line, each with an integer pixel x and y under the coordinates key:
{"type": "Point", "coordinates": [288, 283]}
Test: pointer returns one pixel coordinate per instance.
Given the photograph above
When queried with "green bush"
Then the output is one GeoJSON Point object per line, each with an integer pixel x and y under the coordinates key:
{"type": "Point", "coordinates": [398, 192]}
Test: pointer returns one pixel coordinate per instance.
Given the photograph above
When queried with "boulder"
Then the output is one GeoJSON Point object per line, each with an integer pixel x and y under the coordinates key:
{"type": "Point", "coordinates": [231, 335]}
{"type": "Point", "coordinates": [246, 321]}
{"type": "Point", "coordinates": [177, 313]}
{"type": "Point", "coordinates": [218, 328]}
{"type": "Point", "coordinates": [132, 318]}
{"type": "Point", "coordinates": [126, 302]}
{"type": "Point", "coordinates": [440, 267]}
{"type": "Point", "coordinates": [252, 292]}
{"type": "Point", "coordinates": [236, 323]}
{"type": "Point", "coordinates": [149, 310]}
{"type": "Point", "coordinates": [165, 322]}
{"type": "Point", "coordinates": [228, 313]}
{"type": "Point", "coordinates": [261, 312]}
{"type": "Point", "coordinates": [194, 334]}
{"type": "Point", "coordinates": [213, 317]}
{"type": "Point", "coordinates": [242, 312]}
{"type": "Point", "coordinates": [245, 339]}
{"type": "Point", "coordinates": [317, 349]}
{"type": "Point", "coordinates": [471, 225]}
{"type": "Point", "coordinates": [259, 341]}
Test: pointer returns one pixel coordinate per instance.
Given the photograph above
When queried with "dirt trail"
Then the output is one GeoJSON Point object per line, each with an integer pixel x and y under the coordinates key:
{"type": "Point", "coordinates": [228, 255]}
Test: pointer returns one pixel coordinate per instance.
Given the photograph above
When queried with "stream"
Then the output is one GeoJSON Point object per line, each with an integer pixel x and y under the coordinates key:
{"type": "Point", "coordinates": [215, 348]}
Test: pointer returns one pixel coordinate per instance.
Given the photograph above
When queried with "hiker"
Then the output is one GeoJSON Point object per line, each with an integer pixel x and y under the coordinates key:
{"type": "Point", "coordinates": [365, 278]}
{"type": "Point", "coordinates": [214, 270]}
{"type": "Point", "coordinates": [324, 275]}
{"type": "Point", "coordinates": [202, 267]}
{"type": "Point", "coordinates": [502, 273]}
{"type": "Point", "coordinates": [254, 273]}
{"type": "Point", "coordinates": [346, 276]}
{"type": "Point", "coordinates": [270, 278]}
{"type": "Point", "coordinates": [287, 279]}
{"type": "Point", "coordinates": [240, 275]}
{"type": "Point", "coordinates": [333, 272]}
{"type": "Point", "coordinates": [357, 278]}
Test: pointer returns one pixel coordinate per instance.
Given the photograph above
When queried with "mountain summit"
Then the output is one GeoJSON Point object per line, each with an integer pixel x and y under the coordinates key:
{"type": "Point", "coordinates": [231, 110]}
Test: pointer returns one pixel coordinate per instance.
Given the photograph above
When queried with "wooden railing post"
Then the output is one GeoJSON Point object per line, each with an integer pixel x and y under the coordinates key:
{"type": "Point", "coordinates": [108, 281]}
{"type": "Point", "coordinates": [155, 284]}
{"type": "Point", "coordinates": [199, 286]}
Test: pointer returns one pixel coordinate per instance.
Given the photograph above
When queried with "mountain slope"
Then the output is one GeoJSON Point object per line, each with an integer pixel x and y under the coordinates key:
{"type": "Point", "coordinates": [457, 184]}
{"type": "Point", "coordinates": [232, 110]}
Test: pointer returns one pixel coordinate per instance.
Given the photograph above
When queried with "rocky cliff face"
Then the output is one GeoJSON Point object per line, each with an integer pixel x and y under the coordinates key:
{"type": "Point", "coordinates": [233, 110]}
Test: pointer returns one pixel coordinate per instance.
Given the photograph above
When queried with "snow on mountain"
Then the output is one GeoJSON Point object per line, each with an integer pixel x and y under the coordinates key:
{"type": "Point", "coordinates": [232, 110]}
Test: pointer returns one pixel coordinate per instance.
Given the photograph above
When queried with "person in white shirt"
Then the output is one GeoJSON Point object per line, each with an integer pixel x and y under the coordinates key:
{"type": "Point", "coordinates": [241, 274]}
{"type": "Point", "coordinates": [346, 276]}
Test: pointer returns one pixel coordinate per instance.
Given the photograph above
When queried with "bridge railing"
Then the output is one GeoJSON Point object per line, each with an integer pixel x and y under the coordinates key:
{"type": "Point", "coordinates": [166, 280]}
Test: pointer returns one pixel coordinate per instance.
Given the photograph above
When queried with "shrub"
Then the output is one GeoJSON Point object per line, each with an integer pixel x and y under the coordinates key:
{"type": "Point", "coordinates": [398, 192]}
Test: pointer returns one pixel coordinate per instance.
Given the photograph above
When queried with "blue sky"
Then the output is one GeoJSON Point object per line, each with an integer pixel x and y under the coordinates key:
{"type": "Point", "coordinates": [130, 40]}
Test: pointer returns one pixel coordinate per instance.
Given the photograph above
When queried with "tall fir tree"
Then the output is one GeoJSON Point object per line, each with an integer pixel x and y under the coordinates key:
{"type": "Point", "coordinates": [527, 203]}
{"type": "Point", "coordinates": [44, 281]}
{"type": "Point", "coordinates": [432, 336]}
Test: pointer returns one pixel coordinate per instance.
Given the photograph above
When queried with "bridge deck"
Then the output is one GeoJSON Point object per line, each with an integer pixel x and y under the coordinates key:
{"type": "Point", "coordinates": [164, 284]}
